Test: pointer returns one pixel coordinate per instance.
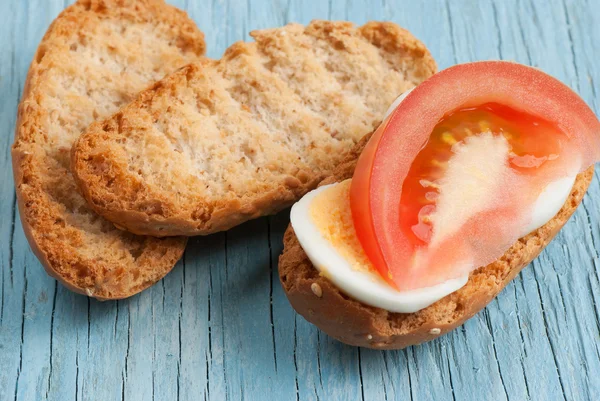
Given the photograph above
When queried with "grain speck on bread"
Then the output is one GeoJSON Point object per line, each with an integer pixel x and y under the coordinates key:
{"type": "Point", "coordinates": [355, 323]}
{"type": "Point", "coordinates": [95, 57]}
{"type": "Point", "coordinates": [221, 142]}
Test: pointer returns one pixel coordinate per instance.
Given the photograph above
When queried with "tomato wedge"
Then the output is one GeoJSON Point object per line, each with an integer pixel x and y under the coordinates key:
{"type": "Point", "coordinates": [548, 130]}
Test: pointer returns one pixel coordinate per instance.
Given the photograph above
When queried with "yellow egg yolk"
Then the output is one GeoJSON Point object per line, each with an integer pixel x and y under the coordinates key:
{"type": "Point", "coordinates": [330, 213]}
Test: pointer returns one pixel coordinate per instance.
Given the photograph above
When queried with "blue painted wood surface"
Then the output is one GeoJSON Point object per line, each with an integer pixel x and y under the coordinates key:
{"type": "Point", "coordinates": [219, 326]}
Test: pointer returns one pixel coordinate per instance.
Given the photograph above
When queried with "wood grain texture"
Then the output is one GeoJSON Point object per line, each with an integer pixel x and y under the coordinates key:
{"type": "Point", "coordinates": [219, 326]}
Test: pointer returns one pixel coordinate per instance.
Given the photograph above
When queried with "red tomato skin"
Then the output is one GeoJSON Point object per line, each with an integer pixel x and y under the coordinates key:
{"type": "Point", "coordinates": [361, 207]}
{"type": "Point", "coordinates": [382, 167]}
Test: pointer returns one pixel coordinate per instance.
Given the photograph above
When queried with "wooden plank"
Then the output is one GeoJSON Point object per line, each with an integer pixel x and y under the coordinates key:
{"type": "Point", "coordinates": [68, 333]}
{"type": "Point", "coordinates": [581, 27]}
{"type": "Point", "coordinates": [568, 311]}
{"type": "Point", "coordinates": [419, 372]}
{"type": "Point", "coordinates": [28, 327]}
{"type": "Point", "coordinates": [497, 328]}
{"type": "Point", "coordinates": [219, 326]}
{"type": "Point", "coordinates": [11, 286]}
{"type": "Point", "coordinates": [468, 355]}
{"type": "Point", "coordinates": [245, 336]}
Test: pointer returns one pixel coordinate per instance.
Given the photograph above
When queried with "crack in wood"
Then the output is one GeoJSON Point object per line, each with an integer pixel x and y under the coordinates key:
{"type": "Point", "coordinates": [124, 376]}
{"type": "Point", "coordinates": [385, 365]}
{"type": "Point", "coordinates": [22, 373]}
{"type": "Point", "coordinates": [360, 376]}
{"type": "Point", "coordinates": [10, 255]}
{"type": "Point", "coordinates": [523, 37]}
{"type": "Point", "coordinates": [497, 25]}
{"type": "Point", "coordinates": [77, 370]}
{"type": "Point", "coordinates": [296, 357]}
{"type": "Point", "coordinates": [51, 359]}
{"type": "Point", "coordinates": [590, 247]}
{"type": "Point", "coordinates": [11, 251]}
{"type": "Point", "coordinates": [223, 331]}
{"type": "Point", "coordinates": [179, 361]}
{"type": "Point", "coordinates": [491, 331]}
{"type": "Point", "coordinates": [596, 303]}
{"type": "Point", "coordinates": [22, 332]}
{"type": "Point", "coordinates": [548, 336]}
{"type": "Point", "coordinates": [571, 46]}
{"type": "Point", "coordinates": [451, 28]}
{"type": "Point", "coordinates": [319, 357]}
{"type": "Point", "coordinates": [412, 354]}
{"type": "Point", "coordinates": [450, 370]}
{"type": "Point", "coordinates": [271, 272]}
{"type": "Point", "coordinates": [88, 323]}
{"type": "Point", "coordinates": [523, 345]}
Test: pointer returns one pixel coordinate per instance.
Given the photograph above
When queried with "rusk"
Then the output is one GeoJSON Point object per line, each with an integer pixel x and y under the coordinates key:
{"type": "Point", "coordinates": [221, 142]}
{"type": "Point", "coordinates": [352, 322]}
{"type": "Point", "coordinates": [95, 57]}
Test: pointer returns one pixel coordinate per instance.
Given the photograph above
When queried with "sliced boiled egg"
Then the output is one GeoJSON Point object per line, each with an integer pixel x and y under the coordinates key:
{"type": "Point", "coordinates": [468, 162]}
{"type": "Point", "coordinates": [322, 222]}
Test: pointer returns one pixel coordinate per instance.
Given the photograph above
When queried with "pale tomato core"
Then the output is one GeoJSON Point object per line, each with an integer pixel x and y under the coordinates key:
{"type": "Point", "coordinates": [533, 142]}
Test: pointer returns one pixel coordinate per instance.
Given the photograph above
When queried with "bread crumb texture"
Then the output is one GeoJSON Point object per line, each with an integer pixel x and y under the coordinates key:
{"type": "Point", "coordinates": [220, 142]}
{"type": "Point", "coordinates": [355, 323]}
{"type": "Point", "coordinates": [94, 57]}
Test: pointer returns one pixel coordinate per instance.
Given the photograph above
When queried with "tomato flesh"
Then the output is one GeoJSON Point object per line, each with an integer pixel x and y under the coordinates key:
{"type": "Point", "coordinates": [533, 141]}
{"type": "Point", "coordinates": [387, 194]}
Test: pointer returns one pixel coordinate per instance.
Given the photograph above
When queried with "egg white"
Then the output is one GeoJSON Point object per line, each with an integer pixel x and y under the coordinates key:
{"type": "Point", "coordinates": [395, 104]}
{"type": "Point", "coordinates": [549, 202]}
{"type": "Point", "coordinates": [364, 286]}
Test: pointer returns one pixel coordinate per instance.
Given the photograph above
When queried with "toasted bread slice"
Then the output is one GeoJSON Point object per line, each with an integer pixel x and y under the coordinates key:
{"type": "Point", "coordinates": [95, 56]}
{"type": "Point", "coordinates": [320, 302]}
{"type": "Point", "coordinates": [221, 142]}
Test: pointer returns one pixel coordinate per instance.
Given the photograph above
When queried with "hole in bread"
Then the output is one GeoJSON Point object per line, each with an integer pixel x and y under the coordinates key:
{"type": "Point", "coordinates": [396, 319]}
{"type": "Point", "coordinates": [200, 214]}
{"type": "Point", "coordinates": [119, 118]}
{"type": "Point", "coordinates": [153, 207]}
{"type": "Point", "coordinates": [249, 152]}
{"type": "Point", "coordinates": [136, 252]}
{"type": "Point", "coordinates": [184, 44]}
{"type": "Point", "coordinates": [205, 104]}
{"type": "Point", "coordinates": [81, 270]}
{"type": "Point", "coordinates": [118, 272]}
{"type": "Point", "coordinates": [303, 177]}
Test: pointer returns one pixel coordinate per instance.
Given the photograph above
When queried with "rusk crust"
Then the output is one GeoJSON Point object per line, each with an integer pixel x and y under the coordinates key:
{"type": "Point", "coordinates": [95, 56]}
{"type": "Point", "coordinates": [320, 302]}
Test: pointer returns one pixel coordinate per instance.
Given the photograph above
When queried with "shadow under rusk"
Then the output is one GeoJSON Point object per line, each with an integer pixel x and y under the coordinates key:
{"type": "Point", "coordinates": [246, 254]}
{"type": "Point", "coordinates": [244, 260]}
